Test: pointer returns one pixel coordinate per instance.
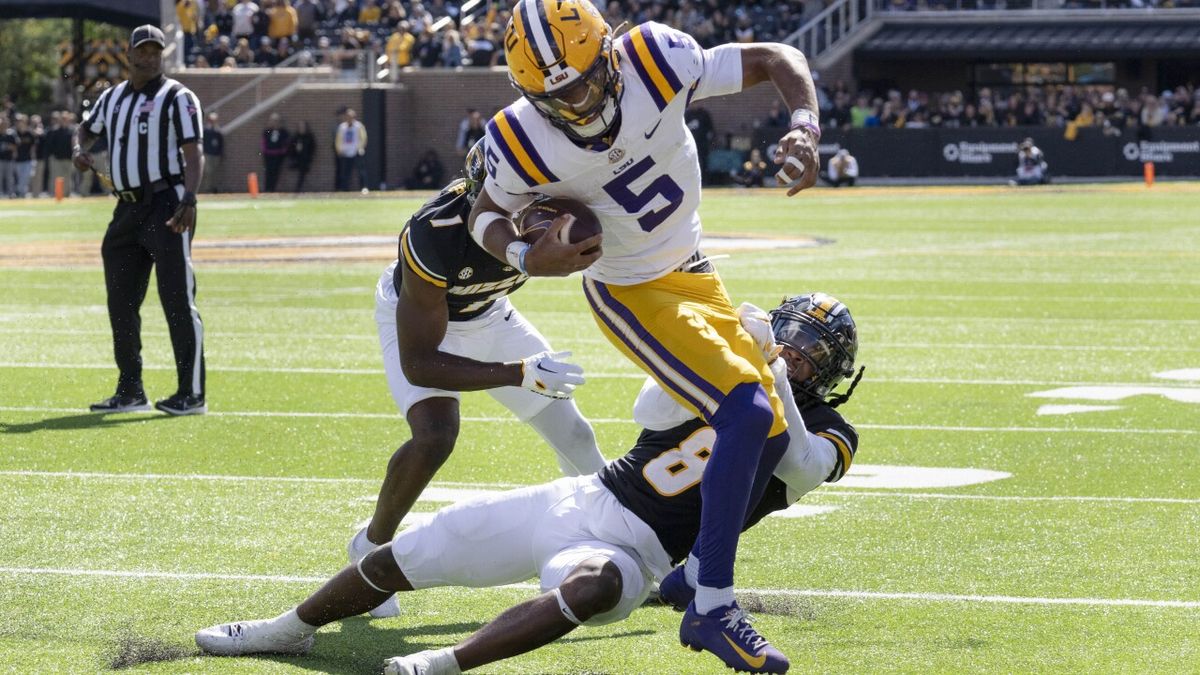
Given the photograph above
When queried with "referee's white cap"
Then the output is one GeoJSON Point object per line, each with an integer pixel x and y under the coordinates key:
{"type": "Point", "coordinates": [147, 33]}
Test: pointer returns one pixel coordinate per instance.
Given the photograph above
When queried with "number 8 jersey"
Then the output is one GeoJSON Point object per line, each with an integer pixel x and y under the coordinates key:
{"type": "Point", "coordinates": [645, 186]}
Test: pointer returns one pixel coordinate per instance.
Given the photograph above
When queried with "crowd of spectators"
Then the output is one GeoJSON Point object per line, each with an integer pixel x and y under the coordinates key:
{"type": "Point", "coordinates": [34, 152]}
{"type": "Point", "coordinates": [1114, 110]}
{"type": "Point", "coordinates": [239, 33]}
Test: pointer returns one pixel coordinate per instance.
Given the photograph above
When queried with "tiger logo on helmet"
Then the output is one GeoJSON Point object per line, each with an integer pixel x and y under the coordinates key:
{"type": "Point", "coordinates": [474, 171]}
{"type": "Point", "coordinates": [560, 57]}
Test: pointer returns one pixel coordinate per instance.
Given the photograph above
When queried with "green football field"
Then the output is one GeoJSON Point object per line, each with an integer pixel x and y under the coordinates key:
{"type": "Point", "coordinates": [1026, 496]}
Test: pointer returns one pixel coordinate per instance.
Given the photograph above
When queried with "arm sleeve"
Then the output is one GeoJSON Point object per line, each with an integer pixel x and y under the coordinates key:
{"type": "Point", "coordinates": [722, 72]}
{"type": "Point", "coordinates": [93, 119]}
{"type": "Point", "coordinates": [187, 111]}
{"type": "Point", "coordinates": [654, 408]}
{"type": "Point", "coordinates": [809, 458]}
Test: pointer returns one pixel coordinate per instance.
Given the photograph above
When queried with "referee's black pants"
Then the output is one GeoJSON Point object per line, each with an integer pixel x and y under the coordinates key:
{"type": "Point", "coordinates": [137, 240]}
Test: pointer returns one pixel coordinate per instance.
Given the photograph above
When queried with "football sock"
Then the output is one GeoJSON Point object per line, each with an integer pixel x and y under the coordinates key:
{"type": "Point", "coordinates": [708, 599]}
{"type": "Point", "coordinates": [691, 570]}
{"type": "Point", "coordinates": [565, 429]}
{"type": "Point", "coordinates": [289, 623]}
{"type": "Point", "coordinates": [742, 423]}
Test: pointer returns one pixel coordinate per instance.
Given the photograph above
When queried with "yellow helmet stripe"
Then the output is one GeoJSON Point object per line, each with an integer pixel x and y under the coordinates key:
{"type": "Point", "coordinates": [651, 66]}
{"type": "Point", "coordinates": [507, 134]}
{"type": "Point", "coordinates": [537, 32]}
{"type": "Point", "coordinates": [414, 263]}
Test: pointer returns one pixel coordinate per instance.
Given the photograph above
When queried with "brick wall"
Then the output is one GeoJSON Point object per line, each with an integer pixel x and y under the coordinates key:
{"type": "Point", "coordinates": [424, 109]}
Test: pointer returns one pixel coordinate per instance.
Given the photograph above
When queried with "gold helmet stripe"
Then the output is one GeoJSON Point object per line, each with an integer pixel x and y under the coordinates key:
{"type": "Point", "coordinates": [537, 32]}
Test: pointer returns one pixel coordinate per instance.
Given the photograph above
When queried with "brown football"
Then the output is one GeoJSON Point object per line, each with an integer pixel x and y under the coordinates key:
{"type": "Point", "coordinates": [536, 220]}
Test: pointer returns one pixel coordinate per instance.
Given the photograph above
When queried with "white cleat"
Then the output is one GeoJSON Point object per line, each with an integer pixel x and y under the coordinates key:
{"type": "Point", "coordinates": [358, 548]}
{"type": "Point", "coordinates": [387, 609]}
{"type": "Point", "coordinates": [250, 637]}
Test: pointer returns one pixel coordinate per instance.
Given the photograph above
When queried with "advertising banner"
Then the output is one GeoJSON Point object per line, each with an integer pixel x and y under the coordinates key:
{"type": "Point", "coordinates": [992, 152]}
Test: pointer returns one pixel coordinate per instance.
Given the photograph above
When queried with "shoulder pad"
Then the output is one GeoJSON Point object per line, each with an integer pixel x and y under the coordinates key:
{"type": "Point", "coordinates": [665, 60]}
{"type": "Point", "coordinates": [512, 154]}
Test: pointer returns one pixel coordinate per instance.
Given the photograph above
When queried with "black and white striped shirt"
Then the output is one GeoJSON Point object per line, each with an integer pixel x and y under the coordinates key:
{"type": "Point", "coordinates": [145, 130]}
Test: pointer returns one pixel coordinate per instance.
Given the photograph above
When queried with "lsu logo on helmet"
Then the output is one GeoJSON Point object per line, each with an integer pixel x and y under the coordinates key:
{"type": "Point", "coordinates": [560, 58]}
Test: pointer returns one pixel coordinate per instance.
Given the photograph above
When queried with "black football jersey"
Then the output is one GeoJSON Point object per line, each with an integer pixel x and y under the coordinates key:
{"type": "Point", "coordinates": [436, 244]}
{"type": "Point", "coordinates": [659, 479]}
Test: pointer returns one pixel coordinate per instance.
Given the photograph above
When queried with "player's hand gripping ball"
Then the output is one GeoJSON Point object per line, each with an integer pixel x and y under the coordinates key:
{"type": "Point", "coordinates": [537, 218]}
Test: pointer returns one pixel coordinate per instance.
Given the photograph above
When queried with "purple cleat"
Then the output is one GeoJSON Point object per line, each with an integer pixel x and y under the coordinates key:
{"type": "Point", "coordinates": [728, 634]}
{"type": "Point", "coordinates": [674, 591]}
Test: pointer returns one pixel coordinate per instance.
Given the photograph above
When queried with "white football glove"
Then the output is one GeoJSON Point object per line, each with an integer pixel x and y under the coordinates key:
{"type": "Point", "coordinates": [757, 323]}
{"type": "Point", "coordinates": [547, 374]}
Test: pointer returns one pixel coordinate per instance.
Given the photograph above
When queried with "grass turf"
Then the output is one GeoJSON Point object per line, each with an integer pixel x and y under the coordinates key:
{"type": "Point", "coordinates": [968, 301]}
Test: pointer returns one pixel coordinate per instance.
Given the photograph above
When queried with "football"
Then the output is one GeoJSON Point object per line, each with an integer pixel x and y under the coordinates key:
{"type": "Point", "coordinates": [536, 220]}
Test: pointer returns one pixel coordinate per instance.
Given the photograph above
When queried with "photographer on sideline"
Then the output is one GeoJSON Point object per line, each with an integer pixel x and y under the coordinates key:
{"type": "Point", "coordinates": [1031, 165]}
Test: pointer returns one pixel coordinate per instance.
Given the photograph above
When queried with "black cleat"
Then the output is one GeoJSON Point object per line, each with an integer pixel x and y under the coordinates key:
{"type": "Point", "coordinates": [121, 404]}
{"type": "Point", "coordinates": [182, 404]}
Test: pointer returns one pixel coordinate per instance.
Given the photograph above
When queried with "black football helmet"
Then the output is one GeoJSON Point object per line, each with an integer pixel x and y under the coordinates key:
{"type": "Point", "coordinates": [474, 170]}
{"type": "Point", "coordinates": [821, 329]}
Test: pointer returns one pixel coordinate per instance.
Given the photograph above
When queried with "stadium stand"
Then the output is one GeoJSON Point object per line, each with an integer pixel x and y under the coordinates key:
{"type": "Point", "coordinates": [1118, 77]}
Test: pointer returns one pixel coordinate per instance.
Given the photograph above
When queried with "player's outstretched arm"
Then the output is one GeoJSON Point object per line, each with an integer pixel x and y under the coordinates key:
{"type": "Point", "coordinates": [421, 319]}
{"type": "Point", "coordinates": [787, 69]}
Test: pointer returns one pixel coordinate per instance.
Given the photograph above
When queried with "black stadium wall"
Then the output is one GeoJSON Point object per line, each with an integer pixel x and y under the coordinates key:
{"type": "Point", "coordinates": [992, 153]}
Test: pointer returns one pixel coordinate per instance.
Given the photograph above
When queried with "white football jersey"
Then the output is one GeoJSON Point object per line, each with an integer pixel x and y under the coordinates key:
{"type": "Point", "coordinates": [645, 187]}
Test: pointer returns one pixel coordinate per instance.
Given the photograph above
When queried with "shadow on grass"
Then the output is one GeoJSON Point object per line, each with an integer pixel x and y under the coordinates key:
{"type": "Point", "coordinates": [363, 645]}
{"type": "Point", "coordinates": [81, 421]}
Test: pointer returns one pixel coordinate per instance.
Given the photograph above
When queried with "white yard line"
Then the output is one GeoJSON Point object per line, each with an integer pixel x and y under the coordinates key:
{"type": "Point", "coordinates": [770, 592]}
{"type": "Point", "coordinates": [630, 375]}
{"type": "Point", "coordinates": [441, 488]}
{"type": "Point", "coordinates": [623, 420]}
{"type": "Point", "coordinates": [370, 336]}
{"type": "Point", "coordinates": [1007, 498]}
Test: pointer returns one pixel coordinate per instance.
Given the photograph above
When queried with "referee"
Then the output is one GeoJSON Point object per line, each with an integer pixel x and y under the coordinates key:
{"type": "Point", "coordinates": [154, 132]}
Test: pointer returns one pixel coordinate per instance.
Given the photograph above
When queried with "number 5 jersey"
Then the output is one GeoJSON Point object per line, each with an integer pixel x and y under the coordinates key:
{"type": "Point", "coordinates": [645, 186]}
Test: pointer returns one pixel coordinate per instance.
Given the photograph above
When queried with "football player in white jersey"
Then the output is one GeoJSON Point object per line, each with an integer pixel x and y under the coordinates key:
{"type": "Point", "coordinates": [596, 542]}
{"type": "Point", "coordinates": [601, 121]}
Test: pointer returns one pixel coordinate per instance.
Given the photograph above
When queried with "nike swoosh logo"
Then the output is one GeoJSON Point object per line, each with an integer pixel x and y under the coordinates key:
{"type": "Point", "coordinates": [544, 370]}
{"type": "Point", "coordinates": [509, 315]}
{"type": "Point", "coordinates": [755, 662]}
{"type": "Point", "coordinates": [653, 129]}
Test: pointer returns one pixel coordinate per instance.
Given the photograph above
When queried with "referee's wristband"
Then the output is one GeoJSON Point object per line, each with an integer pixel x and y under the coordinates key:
{"type": "Point", "coordinates": [188, 199]}
{"type": "Point", "coordinates": [803, 118]}
{"type": "Point", "coordinates": [515, 255]}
